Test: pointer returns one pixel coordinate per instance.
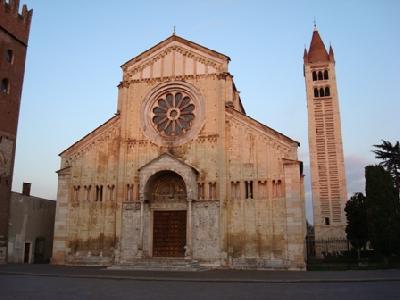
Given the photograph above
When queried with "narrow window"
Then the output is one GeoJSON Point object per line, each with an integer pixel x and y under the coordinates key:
{"type": "Point", "coordinates": [75, 197]}
{"type": "Point", "coordinates": [87, 189]}
{"type": "Point", "coordinates": [316, 93]}
{"type": "Point", "coordinates": [10, 56]}
{"type": "Point", "coordinates": [129, 192]}
{"type": "Point", "coordinates": [201, 190]}
{"type": "Point", "coordinates": [326, 75]}
{"type": "Point", "coordinates": [99, 193]}
{"type": "Point", "coordinates": [320, 77]}
{"type": "Point", "coordinates": [314, 76]}
{"type": "Point", "coordinates": [249, 189]}
{"type": "Point", "coordinates": [327, 221]}
{"type": "Point", "coordinates": [5, 86]}
{"type": "Point", "coordinates": [321, 92]}
{"type": "Point", "coordinates": [327, 91]}
{"type": "Point", "coordinates": [111, 192]}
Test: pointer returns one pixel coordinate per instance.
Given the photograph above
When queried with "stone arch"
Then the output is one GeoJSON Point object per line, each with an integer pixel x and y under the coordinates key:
{"type": "Point", "coordinates": [165, 185]}
{"type": "Point", "coordinates": [167, 162]}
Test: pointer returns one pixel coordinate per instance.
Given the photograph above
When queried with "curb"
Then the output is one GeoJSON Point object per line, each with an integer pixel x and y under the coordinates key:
{"type": "Point", "coordinates": [210, 280]}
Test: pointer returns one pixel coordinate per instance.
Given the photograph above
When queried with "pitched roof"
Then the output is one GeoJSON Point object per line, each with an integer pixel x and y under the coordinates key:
{"type": "Point", "coordinates": [317, 51]}
{"type": "Point", "coordinates": [172, 38]}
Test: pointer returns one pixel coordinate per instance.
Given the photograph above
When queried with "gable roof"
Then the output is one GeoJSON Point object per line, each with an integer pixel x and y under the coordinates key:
{"type": "Point", "coordinates": [94, 131]}
{"type": "Point", "coordinates": [170, 39]}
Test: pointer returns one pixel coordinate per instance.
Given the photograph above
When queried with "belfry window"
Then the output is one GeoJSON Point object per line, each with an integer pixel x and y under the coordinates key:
{"type": "Point", "coordinates": [320, 77]}
{"type": "Point", "coordinates": [316, 94]}
{"type": "Point", "coordinates": [326, 77]}
{"type": "Point", "coordinates": [314, 76]}
{"type": "Point", "coordinates": [5, 86]}
{"type": "Point", "coordinates": [321, 92]}
{"type": "Point", "coordinates": [327, 91]}
{"type": "Point", "coordinates": [327, 221]}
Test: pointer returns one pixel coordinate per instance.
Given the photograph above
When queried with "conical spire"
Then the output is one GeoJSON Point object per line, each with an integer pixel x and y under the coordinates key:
{"type": "Point", "coordinates": [317, 51]}
{"type": "Point", "coordinates": [331, 55]}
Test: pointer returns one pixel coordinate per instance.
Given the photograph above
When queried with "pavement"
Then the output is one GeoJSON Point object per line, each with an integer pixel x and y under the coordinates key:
{"type": "Point", "coordinates": [220, 275]}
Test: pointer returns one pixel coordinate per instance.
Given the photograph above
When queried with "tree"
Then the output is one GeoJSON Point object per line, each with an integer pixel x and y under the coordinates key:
{"type": "Point", "coordinates": [390, 154]}
{"type": "Point", "coordinates": [382, 211]}
{"type": "Point", "coordinates": [357, 229]}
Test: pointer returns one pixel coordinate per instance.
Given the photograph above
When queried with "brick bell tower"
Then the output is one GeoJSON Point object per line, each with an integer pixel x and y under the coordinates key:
{"type": "Point", "coordinates": [328, 179]}
{"type": "Point", "coordinates": [14, 33]}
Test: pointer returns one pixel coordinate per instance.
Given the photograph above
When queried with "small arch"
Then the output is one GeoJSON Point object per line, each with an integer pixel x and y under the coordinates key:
{"type": "Point", "coordinates": [316, 94]}
{"type": "Point", "coordinates": [327, 91]}
{"type": "Point", "coordinates": [320, 77]}
{"type": "Point", "coordinates": [5, 86]}
{"type": "Point", "coordinates": [314, 76]}
{"type": "Point", "coordinates": [326, 75]}
{"type": "Point", "coordinates": [321, 92]}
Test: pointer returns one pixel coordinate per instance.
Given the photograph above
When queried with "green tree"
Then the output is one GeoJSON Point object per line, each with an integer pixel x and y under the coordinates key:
{"type": "Point", "coordinates": [357, 229]}
{"type": "Point", "coordinates": [382, 211]}
{"type": "Point", "coordinates": [390, 154]}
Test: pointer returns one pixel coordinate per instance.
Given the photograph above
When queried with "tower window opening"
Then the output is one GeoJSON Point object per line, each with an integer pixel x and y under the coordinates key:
{"type": "Point", "coordinates": [327, 221]}
{"type": "Point", "coordinates": [314, 76]}
{"type": "Point", "coordinates": [5, 86]}
{"type": "Point", "coordinates": [10, 56]}
{"type": "Point", "coordinates": [326, 75]}
{"type": "Point", "coordinates": [316, 94]}
{"type": "Point", "coordinates": [327, 91]}
{"type": "Point", "coordinates": [320, 77]}
{"type": "Point", "coordinates": [321, 92]}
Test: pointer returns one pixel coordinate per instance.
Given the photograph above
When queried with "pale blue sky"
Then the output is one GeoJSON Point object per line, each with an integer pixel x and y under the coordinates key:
{"type": "Point", "coordinates": [76, 48]}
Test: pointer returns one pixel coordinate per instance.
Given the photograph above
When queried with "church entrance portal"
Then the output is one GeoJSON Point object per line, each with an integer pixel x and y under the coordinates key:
{"type": "Point", "coordinates": [169, 233]}
{"type": "Point", "coordinates": [168, 200]}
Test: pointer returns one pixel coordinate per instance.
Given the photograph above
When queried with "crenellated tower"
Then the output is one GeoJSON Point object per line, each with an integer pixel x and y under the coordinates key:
{"type": "Point", "coordinates": [14, 34]}
{"type": "Point", "coordinates": [328, 179]}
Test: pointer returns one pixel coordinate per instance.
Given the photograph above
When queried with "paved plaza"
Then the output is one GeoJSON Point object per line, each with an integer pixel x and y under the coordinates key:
{"type": "Point", "coordinates": [56, 282]}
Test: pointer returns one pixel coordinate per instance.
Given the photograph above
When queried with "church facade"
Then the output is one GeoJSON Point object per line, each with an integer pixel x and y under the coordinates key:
{"type": "Point", "coordinates": [181, 173]}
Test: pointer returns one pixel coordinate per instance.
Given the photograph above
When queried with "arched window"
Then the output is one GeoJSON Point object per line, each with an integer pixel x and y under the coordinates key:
{"type": "Point", "coordinates": [327, 91]}
{"type": "Point", "coordinates": [326, 77]}
{"type": "Point", "coordinates": [321, 92]}
{"type": "Point", "coordinates": [316, 93]}
{"type": "Point", "coordinates": [5, 86]}
{"type": "Point", "coordinates": [320, 77]}
{"type": "Point", "coordinates": [314, 76]}
{"type": "Point", "coordinates": [10, 56]}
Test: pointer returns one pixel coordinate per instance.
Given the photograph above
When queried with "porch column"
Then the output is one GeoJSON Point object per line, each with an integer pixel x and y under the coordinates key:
{"type": "Point", "coordinates": [188, 247]}
{"type": "Point", "coordinates": [140, 253]}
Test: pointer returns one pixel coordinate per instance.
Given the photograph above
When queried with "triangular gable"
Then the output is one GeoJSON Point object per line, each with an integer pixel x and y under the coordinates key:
{"type": "Point", "coordinates": [175, 57]}
{"type": "Point", "coordinates": [168, 159]}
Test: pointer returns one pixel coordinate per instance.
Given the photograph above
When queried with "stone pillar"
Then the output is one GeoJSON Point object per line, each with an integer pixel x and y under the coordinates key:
{"type": "Point", "coordinates": [188, 247]}
{"type": "Point", "coordinates": [60, 242]}
{"type": "Point", "coordinates": [140, 248]}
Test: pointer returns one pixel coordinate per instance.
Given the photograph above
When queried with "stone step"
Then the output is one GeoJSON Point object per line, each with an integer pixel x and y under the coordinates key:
{"type": "Point", "coordinates": [160, 264]}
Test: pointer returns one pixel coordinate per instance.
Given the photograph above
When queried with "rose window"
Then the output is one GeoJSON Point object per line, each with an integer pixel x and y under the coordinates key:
{"type": "Point", "coordinates": [173, 113]}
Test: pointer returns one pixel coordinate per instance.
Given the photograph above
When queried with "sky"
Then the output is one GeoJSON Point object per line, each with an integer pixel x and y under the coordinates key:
{"type": "Point", "coordinates": [76, 49]}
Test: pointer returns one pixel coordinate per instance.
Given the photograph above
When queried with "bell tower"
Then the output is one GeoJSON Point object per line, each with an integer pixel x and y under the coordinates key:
{"type": "Point", "coordinates": [14, 34]}
{"type": "Point", "coordinates": [328, 179]}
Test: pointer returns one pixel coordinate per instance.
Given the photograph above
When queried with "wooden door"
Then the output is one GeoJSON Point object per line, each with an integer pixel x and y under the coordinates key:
{"type": "Point", "coordinates": [169, 233]}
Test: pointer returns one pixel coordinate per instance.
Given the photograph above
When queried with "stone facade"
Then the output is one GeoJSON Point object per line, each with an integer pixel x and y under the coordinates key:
{"type": "Point", "coordinates": [31, 228]}
{"type": "Point", "coordinates": [181, 171]}
{"type": "Point", "coordinates": [328, 177]}
{"type": "Point", "coordinates": [14, 33]}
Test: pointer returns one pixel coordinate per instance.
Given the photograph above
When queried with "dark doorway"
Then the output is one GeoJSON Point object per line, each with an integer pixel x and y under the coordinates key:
{"type": "Point", "coordinates": [169, 233]}
{"type": "Point", "coordinates": [38, 257]}
{"type": "Point", "coordinates": [27, 252]}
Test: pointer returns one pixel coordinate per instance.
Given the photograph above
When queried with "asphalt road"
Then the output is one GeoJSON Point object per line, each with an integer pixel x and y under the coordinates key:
{"type": "Point", "coordinates": [59, 288]}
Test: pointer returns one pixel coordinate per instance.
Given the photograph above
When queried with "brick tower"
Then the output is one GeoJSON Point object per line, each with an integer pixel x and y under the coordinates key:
{"type": "Point", "coordinates": [328, 179]}
{"type": "Point", "coordinates": [14, 33]}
